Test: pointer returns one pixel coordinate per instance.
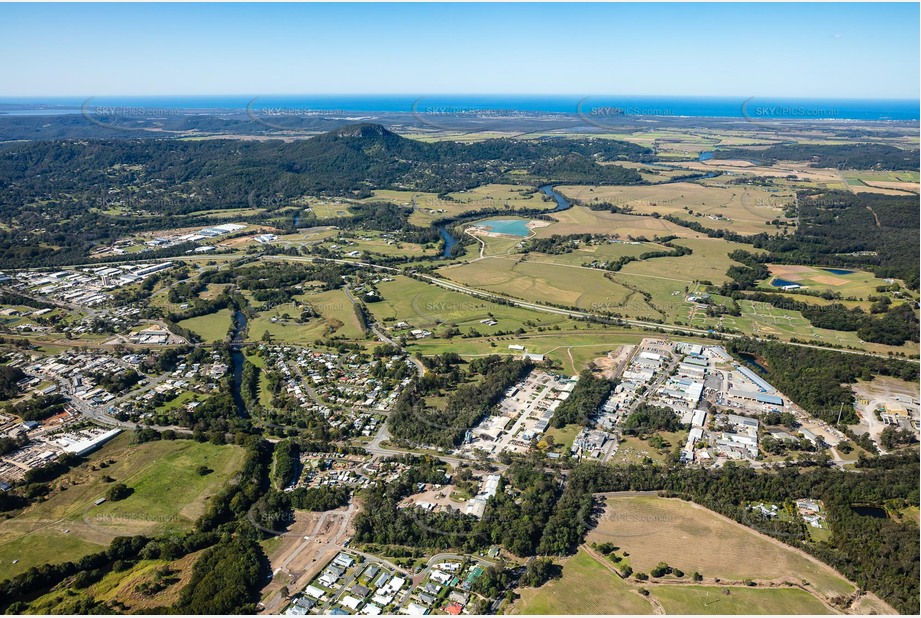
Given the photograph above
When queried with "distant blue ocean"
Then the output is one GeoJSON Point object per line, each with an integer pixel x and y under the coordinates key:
{"type": "Point", "coordinates": [601, 106]}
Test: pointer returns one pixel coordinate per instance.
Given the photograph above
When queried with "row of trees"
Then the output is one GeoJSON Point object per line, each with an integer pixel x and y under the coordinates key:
{"type": "Point", "coordinates": [881, 555]}
{"type": "Point", "coordinates": [584, 401]}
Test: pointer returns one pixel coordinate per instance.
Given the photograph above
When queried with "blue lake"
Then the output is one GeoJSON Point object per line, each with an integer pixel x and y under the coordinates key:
{"type": "Point", "coordinates": [779, 283]}
{"type": "Point", "coordinates": [512, 227]}
{"type": "Point", "coordinates": [838, 271]}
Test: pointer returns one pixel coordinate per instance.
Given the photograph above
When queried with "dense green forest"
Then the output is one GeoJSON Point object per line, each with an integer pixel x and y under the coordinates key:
{"type": "Point", "coordinates": [9, 376]}
{"type": "Point", "coordinates": [839, 228]}
{"type": "Point", "coordinates": [860, 156]}
{"type": "Point", "coordinates": [84, 182]}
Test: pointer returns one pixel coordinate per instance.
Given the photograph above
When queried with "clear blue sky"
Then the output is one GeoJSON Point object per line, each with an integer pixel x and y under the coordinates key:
{"type": "Point", "coordinates": [812, 50]}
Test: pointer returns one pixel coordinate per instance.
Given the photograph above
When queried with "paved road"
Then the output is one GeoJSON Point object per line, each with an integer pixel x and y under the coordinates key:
{"type": "Point", "coordinates": [455, 287]}
{"type": "Point", "coordinates": [438, 558]}
{"type": "Point", "coordinates": [375, 448]}
{"type": "Point", "coordinates": [100, 415]}
{"type": "Point", "coordinates": [310, 392]}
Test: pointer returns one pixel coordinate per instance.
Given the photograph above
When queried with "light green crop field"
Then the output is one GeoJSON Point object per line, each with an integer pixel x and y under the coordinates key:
{"type": "Point", "coordinates": [714, 600]}
{"type": "Point", "coordinates": [540, 282]}
{"type": "Point", "coordinates": [691, 538]}
{"type": "Point", "coordinates": [210, 327]}
{"type": "Point", "coordinates": [587, 587]}
{"type": "Point", "coordinates": [742, 209]}
{"type": "Point", "coordinates": [168, 495]}
{"type": "Point", "coordinates": [583, 220]}
{"type": "Point", "coordinates": [424, 305]}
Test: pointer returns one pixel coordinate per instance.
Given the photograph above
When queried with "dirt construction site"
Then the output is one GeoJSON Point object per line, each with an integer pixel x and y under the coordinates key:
{"type": "Point", "coordinates": [308, 544]}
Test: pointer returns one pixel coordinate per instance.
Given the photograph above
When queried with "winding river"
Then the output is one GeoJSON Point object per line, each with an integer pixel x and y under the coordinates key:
{"type": "Point", "coordinates": [236, 356]}
{"type": "Point", "coordinates": [450, 240]}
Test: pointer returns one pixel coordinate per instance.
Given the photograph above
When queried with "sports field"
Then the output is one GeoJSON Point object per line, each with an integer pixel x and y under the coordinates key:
{"type": "Point", "coordinates": [168, 494]}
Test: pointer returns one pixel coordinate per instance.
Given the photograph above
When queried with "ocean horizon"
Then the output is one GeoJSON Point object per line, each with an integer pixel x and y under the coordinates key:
{"type": "Point", "coordinates": [447, 105]}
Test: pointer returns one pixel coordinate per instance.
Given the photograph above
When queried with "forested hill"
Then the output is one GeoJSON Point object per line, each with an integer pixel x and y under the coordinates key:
{"type": "Point", "coordinates": [351, 159]}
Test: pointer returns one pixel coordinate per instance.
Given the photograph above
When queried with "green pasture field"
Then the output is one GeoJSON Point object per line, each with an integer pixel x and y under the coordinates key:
{"type": "Point", "coordinates": [587, 587]}
{"type": "Point", "coordinates": [427, 306]}
{"type": "Point", "coordinates": [337, 318]}
{"type": "Point", "coordinates": [858, 284]}
{"type": "Point", "coordinates": [373, 242]}
{"type": "Point", "coordinates": [762, 320]}
{"type": "Point", "coordinates": [539, 282]}
{"type": "Point", "coordinates": [597, 252]}
{"type": "Point", "coordinates": [712, 600]}
{"type": "Point", "coordinates": [503, 197]}
{"type": "Point", "coordinates": [168, 495]}
{"type": "Point", "coordinates": [210, 327]}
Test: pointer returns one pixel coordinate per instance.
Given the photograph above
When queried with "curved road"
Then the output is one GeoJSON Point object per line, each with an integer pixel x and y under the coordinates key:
{"type": "Point", "coordinates": [456, 287]}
